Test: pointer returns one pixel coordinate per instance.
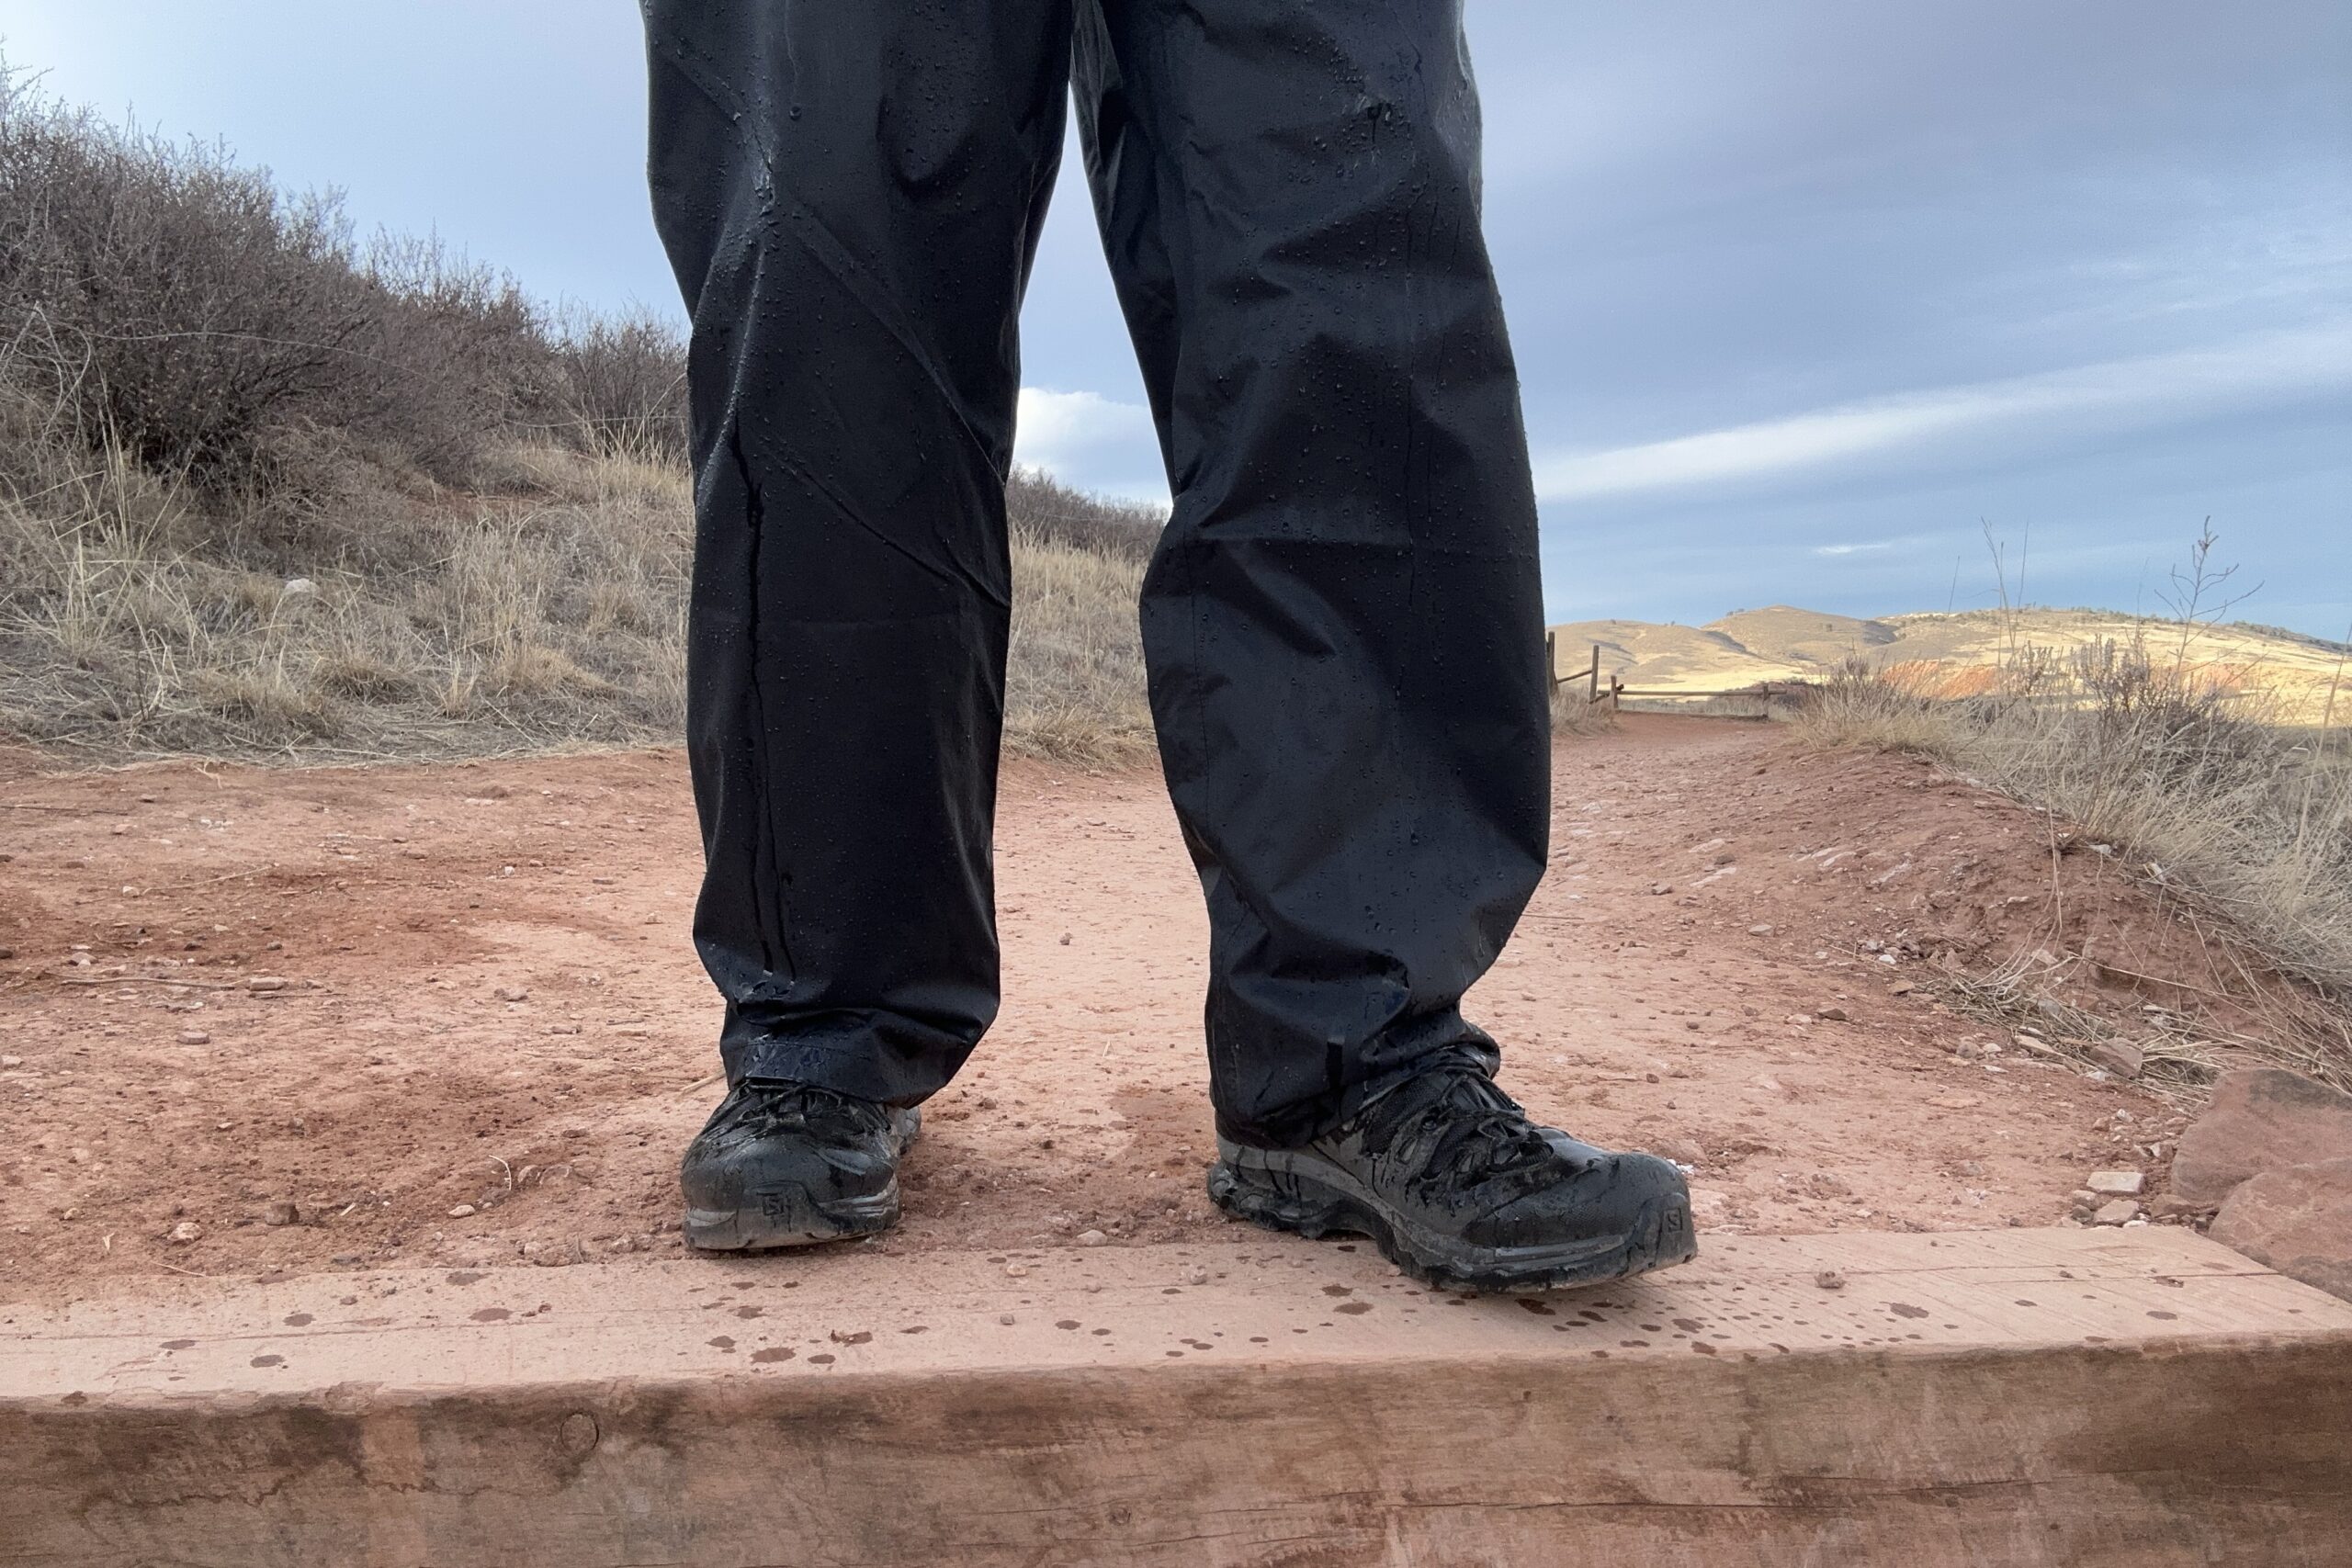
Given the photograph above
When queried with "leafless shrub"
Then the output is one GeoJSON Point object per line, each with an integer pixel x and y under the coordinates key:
{"type": "Point", "coordinates": [162, 297]}
{"type": "Point", "coordinates": [623, 384]}
{"type": "Point", "coordinates": [1047, 512]}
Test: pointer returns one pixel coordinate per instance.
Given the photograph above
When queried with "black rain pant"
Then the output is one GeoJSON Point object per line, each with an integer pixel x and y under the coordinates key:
{"type": "Point", "coordinates": [1343, 620]}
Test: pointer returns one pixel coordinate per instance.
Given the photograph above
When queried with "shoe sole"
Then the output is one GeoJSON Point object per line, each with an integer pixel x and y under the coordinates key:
{"type": "Point", "coordinates": [1300, 1192]}
{"type": "Point", "coordinates": [785, 1217]}
{"type": "Point", "coordinates": [788, 1216]}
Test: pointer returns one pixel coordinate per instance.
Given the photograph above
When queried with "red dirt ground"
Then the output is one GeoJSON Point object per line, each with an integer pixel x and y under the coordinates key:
{"type": "Point", "coordinates": [489, 1000]}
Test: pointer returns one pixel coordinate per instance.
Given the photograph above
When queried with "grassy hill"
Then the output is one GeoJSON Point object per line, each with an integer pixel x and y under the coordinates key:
{"type": "Point", "coordinates": [1956, 654]}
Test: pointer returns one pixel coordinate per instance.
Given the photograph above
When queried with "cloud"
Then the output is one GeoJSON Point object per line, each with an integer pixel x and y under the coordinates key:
{"type": "Point", "coordinates": [1089, 440]}
{"type": "Point", "coordinates": [1873, 545]}
{"type": "Point", "coordinates": [2054, 406]}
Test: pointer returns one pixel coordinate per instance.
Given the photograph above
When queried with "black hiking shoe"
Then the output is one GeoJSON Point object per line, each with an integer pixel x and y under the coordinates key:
{"type": "Point", "coordinates": [1461, 1190]}
{"type": "Point", "coordinates": [791, 1165]}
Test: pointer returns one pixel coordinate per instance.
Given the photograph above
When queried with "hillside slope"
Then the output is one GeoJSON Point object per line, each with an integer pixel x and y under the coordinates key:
{"type": "Point", "coordinates": [1781, 642]}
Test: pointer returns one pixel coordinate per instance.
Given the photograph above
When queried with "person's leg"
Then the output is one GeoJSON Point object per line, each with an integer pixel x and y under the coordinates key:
{"type": "Point", "coordinates": [850, 194]}
{"type": "Point", "coordinates": [1345, 619]}
{"type": "Point", "coordinates": [850, 191]}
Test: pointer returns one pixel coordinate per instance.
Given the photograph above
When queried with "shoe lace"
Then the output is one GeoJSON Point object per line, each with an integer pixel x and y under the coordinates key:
{"type": "Point", "coordinates": [774, 1104]}
{"type": "Point", "coordinates": [1453, 1126]}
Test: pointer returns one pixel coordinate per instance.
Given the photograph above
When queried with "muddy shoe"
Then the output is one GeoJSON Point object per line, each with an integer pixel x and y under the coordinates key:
{"type": "Point", "coordinates": [790, 1164]}
{"type": "Point", "coordinates": [1447, 1175]}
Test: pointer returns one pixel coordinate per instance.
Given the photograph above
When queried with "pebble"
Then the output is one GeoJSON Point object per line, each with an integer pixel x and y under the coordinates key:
{"type": "Point", "coordinates": [282, 1212]}
{"type": "Point", "coordinates": [1091, 1239]}
{"type": "Point", "coordinates": [187, 1231]}
{"type": "Point", "coordinates": [1759, 930]}
{"type": "Point", "coordinates": [461, 1211]}
{"type": "Point", "coordinates": [512, 994]}
{"type": "Point", "coordinates": [195, 1037]}
{"type": "Point", "coordinates": [2120, 1211]}
{"type": "Point", "coordinates": [1196, 1276]}
{"type": "Point", "coordinates": [1005, 1318]}
{"type": "Point", "coordinates": [265, 983]}
{"type": "Point", "coordinates": [1830, 1280]}
{"type": "Point", "coordinates": [1834, 1014]}
{"type": "Point", "coordinates": [1016, 1271]}
{"type": "Point", "coordinates": [2120, 1057]}
{"type": "Point", "coordinates": [2118, 1183]}
{"type": "Point", "coordinates": [11, 1061]}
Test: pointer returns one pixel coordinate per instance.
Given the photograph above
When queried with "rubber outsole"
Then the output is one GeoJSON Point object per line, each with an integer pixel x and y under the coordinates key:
{"type": "Point", "coordinates": [788, 1217]}
{"type": "Point", "coordinates": [1281, 1189]}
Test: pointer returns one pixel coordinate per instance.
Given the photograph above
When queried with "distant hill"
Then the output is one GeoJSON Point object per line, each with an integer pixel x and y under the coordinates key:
{"type": "Point", "coordinates": [1945, 652]}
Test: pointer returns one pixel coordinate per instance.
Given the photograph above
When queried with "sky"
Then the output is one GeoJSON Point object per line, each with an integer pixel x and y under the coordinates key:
{"type": "Point", "coordinates": [1809, 297]}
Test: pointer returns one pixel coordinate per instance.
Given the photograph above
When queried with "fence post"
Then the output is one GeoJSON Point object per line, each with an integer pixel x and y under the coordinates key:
{"type": "Point", "coordinates": [1593, 690]}
{"type": "Point", "coordinates": [1551, 658]}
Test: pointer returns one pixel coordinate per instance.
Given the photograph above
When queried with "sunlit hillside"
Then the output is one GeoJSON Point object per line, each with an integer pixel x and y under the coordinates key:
{"type": "Point", "coordinates": [1954, 654]}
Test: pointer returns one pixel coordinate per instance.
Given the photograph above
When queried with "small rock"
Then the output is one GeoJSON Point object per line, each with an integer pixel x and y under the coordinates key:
{"type": "Point", "coordinates": [2297, 1219]}
{"type": "Point", "coordinates": [11, 1061]}
{"type": "Point", "coordinates": [1957, 1102]}
{"type": "Point", "coordinates": [281, 1213]}
{"type": "Point", "coordinates": [1016, 1271]}
{"type": "Point", "coordinates": [1830, 1280]}
{"type": "Point", "coordinates": [265, 983]}
{"type": "Point", "coordinates": [187, 1231]}
{"type": "Point", "coordinates": [1196, 1275]}
{"type": "Point", "coordinates": [1065, 939]}
{"type": "Point", "coordinates": [2173, 1206]}
{"type": "Point", "coordinates": [299, 587]}
{"type": "Point", "coordinates": [1662, 888]}
{"type": "Point", "coordinates": [1833, 1014]}
{"type": "Point", "coordinates": [2120, 1057]}
{"type": "Point", "coordinates": [2120, 1211]}
{"type": "Point", "coordinates": [195, 1037]}
{"type": "Point", "coordinates": [1091, 1239]}
{"type": "Point", "coordinates": [2260, 1119]}
{"type": "Point", "coordinates": [1005, 1318]}
{"type": "Point", "coordinates": [461, 1211]}
{"type": "Point", "coordinates": [1759, 930]}
{"type": "Point", "coordinates": [2118, 1183]}
{"type": "Point", "coordinates": [1901, 989]}
{"type": "Point", "coordinates": [2082, 1201]}
{"type": "Point", "coordinates": [512, 994]}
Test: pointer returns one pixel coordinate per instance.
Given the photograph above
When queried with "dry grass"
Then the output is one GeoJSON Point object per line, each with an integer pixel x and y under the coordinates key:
{"type": "Point", "coordinates": [1575, 713]}
{"type": "Point", "coordinates": [142, 616]}
{"type": "Point", "coordinates": [1074, 685]}
{"type": "Point", "coordinates": [2244, 823]}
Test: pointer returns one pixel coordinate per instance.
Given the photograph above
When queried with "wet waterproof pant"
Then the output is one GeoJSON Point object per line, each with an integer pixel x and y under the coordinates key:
{"type": "Point", "coordinates": [1343, 623]}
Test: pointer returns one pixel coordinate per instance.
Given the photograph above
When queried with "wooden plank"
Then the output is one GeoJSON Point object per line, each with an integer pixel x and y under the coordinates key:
{"type": "Point", "coordinates": [2070, 1397]}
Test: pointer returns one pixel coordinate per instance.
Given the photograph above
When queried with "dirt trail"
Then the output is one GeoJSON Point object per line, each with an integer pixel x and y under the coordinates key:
{"type": "Point", "coordinates": [489, 1000]}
